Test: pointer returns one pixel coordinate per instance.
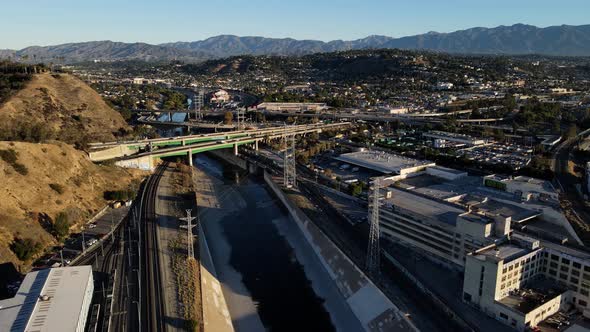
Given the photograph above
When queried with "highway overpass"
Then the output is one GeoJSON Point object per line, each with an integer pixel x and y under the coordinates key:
{"type": "Point", "coordinates": [141, 154]}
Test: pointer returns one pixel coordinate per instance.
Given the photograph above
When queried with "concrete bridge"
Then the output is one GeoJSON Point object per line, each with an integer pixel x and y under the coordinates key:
{"type": "Point", "coordinates": [141, 154]}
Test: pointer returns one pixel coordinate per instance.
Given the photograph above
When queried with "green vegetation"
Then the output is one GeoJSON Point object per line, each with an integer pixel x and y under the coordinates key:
{"type": "Point", "coordinates": [357, 188]}
{"type": "Point", "coordinates": [58, 188]}
{"type": "Point", "coordinates": [25, 249]}
{"type": "Point", "coordinates": [119, 195]}
{"type": "Point", "coordinates": [61, 226]}
{"type": "Point", "coordinates": [14, 76]}
{"type": "Point", "coordinates": [174, 100]}
{"type": "Point", "coordinates": [11, 157]}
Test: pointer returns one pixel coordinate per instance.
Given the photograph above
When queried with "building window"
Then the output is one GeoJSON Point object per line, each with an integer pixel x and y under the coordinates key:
{"type": "Point", "coordinates": [584, 292]}
{"type": "Point", "coordinates": [574, 280]}
{"type": "Point", "coordinates": [564, 268]}
{"type": "Point", "coordinates": [575, 273]}
{"type": "Point", "coordinates": [565, 261]}
{"type": "Point", "coordinates": [587, 268]}
{"type": "Point", "coordinates": [555, 257]}
{"type": "Point", "coordinates": [563, 276]}
{"type": "Point", "coordinates": [577, 265]}
{"type": "Point", "coordinates": [582, 303]}
{"type": "Point", "coordinates": [553, 265]}
{"type": "Point", "coordinates": [586, 277]}
{"type": "Point", "coordinates": [552, 272]}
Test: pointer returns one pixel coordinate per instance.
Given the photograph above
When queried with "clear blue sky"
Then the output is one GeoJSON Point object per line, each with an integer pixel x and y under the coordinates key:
{"type": "Point", "coordinates": [48, 22]}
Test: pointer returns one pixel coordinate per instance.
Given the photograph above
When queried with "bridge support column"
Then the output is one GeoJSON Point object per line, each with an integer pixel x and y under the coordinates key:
{"type": "Point", "coordinates": [190, 157]}
{"type": "Point", "coordinates": [236, 149]}
{"type": "Point", "coordinates": [255, 145]}
{"type": "Point", "coordinates": [183, 142]}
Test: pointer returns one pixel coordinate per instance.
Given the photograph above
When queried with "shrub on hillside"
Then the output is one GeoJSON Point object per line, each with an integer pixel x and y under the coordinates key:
{"type": "Point", "coordinates": [25, 249]}
{"type": "Point", "coordinates": [119, 195]}
{"type": "Point", "coordinates": [21, 169]}
{"type": "Point", "coordinates": [58, 188]}
{"type": "Point", "coordinates": [61, 226]}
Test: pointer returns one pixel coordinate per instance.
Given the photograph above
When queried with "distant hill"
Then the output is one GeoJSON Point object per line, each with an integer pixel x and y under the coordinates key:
{"type": "Point", "coordinates": [104, 51]}
{"type": "Point", "coordinates": [564, 40]}
{"type": "Point", "coordinates": [59, 106]}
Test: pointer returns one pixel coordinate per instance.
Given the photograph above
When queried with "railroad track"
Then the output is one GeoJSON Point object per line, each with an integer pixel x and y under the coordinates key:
{"type": "Point", "coordinates": [152, 299]}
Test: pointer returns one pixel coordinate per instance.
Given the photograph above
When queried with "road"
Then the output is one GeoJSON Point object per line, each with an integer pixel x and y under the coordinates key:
{"type": "Point", "coordinates": [151, 291]}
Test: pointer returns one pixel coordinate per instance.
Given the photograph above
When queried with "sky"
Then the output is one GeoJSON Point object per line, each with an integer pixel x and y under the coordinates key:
{"type": "Point", "coordinates": [50, 22]}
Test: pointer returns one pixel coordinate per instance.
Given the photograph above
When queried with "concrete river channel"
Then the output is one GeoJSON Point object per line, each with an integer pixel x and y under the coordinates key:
{"type": "Point", "coordinates": [263, 282]}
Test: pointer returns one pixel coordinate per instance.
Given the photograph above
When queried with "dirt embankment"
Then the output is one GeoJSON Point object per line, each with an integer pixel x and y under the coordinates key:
{"type": "Point", "coordinates": [52, 178]}
{"type": "Point", "coordinates": [59, 106]}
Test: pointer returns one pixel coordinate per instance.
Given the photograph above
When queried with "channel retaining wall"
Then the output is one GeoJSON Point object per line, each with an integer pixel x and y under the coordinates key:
{"type": "Point", "coordinates": [372, 308]}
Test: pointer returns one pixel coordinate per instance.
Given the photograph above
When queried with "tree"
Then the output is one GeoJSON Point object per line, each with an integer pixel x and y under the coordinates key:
{"type": "Point", "coordinates": [61, 226]}
{"type": "Point", "coordinates": [228, 118]}
{"type": "Point", "coordinates": [572, 131]}
{"type": "Point", "coordinates": [24, 249]}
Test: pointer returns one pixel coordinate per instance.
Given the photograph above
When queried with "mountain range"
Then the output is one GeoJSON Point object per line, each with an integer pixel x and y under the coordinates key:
{"type": "Point", "coordinates": [563, 40]}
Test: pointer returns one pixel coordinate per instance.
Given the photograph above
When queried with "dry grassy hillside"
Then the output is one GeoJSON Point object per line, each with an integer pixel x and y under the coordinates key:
{"type": "Point", "coordinates": [58, 106]}
{"type": "Point", "coordinates": [28, 199]}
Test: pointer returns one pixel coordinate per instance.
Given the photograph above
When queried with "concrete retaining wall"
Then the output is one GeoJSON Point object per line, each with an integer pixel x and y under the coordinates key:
{"type": "Point", "coordinates": [372, 308]}
{"type": "Point", "coordinates": [110, 153]}
{"type": "Point", "coordinates": [145, 163]}
{"type": "Point", "coordinates": [228, 155]}
{"type": "Point", "coordinates": [216, 317]}
{"type": "Point", "coordinates": [427, 292]}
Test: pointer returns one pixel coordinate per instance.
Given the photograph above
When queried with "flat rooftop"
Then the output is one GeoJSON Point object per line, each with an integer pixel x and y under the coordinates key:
{"type": "Point", "coordinates": [382, 162]}
{"type": "Point", "coordinates": [504, 252]}
{"type": "Point", "coordinates": [532, 296]}
{"type": "Point", "coordinates": [518, 213]}
{"type": "Point", "coordinates": [66, 289]}
{"type": "Point", "coordinates": [424, 208]}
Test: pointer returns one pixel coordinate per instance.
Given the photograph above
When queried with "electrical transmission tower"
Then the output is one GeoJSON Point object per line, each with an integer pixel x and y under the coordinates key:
{"type": "Point", "coordinates": [240, 117]}
{"type": "Point", "coordinates": [189, 236]}
{"type": "Point", "coordinates": [373, 249]}
{"type": "Point", "coordinates": [198, 102]}
{"type": "Point", "coordinates": [289, 165]}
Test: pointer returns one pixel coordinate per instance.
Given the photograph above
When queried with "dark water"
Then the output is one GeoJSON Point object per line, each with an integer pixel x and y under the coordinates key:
{"type": "Point", "coordinates": [270, 271]}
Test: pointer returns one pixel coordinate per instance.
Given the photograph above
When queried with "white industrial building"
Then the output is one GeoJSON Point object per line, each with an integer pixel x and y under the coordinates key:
{"type": "Point", "coordinates": [220, 96]}
{"type": "Point", "coordinates": [522, 281]}
{"type": "Point", "coordinates": [475, 224]}
{"type": "Point", "coordinates": [453, 137]}
{"type": "Point", "coordinates": [385, 162]}
{"type": "Point", "coordinates": [56, 299]}
{"type": "Point", "coordinates": [292, 107]}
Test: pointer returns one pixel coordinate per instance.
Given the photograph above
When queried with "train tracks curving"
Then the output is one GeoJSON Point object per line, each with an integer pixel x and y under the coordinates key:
{"type": "Point", "coordinates": [151, 290]}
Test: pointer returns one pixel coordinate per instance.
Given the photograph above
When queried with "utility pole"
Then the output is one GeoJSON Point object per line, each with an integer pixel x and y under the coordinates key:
{"type": "Point", "coordinates": [373, 249]}
{"type": "Point", "coordinates": [189, 228]}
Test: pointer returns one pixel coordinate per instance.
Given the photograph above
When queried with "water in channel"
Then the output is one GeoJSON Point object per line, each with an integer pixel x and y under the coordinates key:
{"type": "Point", "coordinates": [276, 281]}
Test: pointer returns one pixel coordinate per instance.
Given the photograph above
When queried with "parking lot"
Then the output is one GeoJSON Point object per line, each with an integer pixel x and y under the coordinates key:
{"type": "Point", "coordinates": [513, 155]}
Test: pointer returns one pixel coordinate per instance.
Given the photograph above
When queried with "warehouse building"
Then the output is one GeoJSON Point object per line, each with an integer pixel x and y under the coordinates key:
{"type": "Point", "coordinates": [292, 107]}
{"type": "Point", "coordinates": [453, 137]}
{"type": "Point", "coordinates": [56, 299]}
{"type": "Point", "coordinates": [386, 163]}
